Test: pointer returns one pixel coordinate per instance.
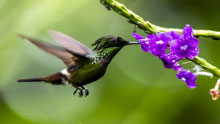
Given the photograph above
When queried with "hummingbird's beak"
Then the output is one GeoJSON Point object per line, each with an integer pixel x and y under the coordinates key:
{"type": "Point", "coordinates": [122, 42]}
{"type": "Point", "coordinates": [132, 43]}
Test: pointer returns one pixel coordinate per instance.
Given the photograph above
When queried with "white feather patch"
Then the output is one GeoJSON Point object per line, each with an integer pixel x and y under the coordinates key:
{"type": "Point", "coordinates": [67, 74]}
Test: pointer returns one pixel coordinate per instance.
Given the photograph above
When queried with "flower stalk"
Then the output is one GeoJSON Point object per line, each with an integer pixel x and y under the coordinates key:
{"type": "Point", "coordinates": [146, 25]}
{"type": "Point", "coordinates": [207, 66]}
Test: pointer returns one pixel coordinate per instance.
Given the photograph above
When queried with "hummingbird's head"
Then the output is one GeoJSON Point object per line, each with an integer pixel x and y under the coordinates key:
{"type": "Point", "coordinates": [111, 41]}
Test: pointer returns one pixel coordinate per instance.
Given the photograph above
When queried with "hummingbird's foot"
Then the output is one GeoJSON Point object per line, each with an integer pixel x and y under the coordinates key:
{"type": "Point", "coordinates": [81, 89]}
{"type": "Point", "coordinates": [86, 91]}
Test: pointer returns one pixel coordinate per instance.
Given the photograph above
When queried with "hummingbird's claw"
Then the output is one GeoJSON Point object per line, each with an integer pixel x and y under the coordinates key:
{"type": "Point", "coordinates": [81, 93]}
{"type": "Point", "coordinates": [81, 89]}
{"type": "Point", "coordinates": [74, 93]}
{"type": "Point", "coordinates": [86, 91]}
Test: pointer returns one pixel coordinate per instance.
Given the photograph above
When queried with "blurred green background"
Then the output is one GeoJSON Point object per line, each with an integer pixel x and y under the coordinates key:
{"type": "Point", "coordinates": [136, 88]}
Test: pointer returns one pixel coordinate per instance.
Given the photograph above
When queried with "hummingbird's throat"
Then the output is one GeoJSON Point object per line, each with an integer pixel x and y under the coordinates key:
{"type": "Point", "coordinates": [101, 56]}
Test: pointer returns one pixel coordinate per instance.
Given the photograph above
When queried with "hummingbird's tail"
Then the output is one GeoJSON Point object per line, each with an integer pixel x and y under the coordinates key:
{"type": "Point", "coordinates": [31, 80]}
{"type": "Point", "coordinates": [56, 79]}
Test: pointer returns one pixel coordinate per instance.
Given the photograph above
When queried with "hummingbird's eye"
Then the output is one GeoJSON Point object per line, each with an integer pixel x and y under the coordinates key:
{"type": "Point", "coordinates": [114, 41]}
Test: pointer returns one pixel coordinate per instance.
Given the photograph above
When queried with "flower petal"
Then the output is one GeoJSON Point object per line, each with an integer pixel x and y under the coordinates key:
{"type": "Point", "coordinates": [188, 77]}
{"type": "Point", "coordinates": [137, 36]}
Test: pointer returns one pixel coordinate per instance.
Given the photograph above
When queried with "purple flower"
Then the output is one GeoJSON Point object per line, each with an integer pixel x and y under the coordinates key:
{"type": "Point", "coordinates": [143, 41]}
{"type": "Point", "coordinates": [138, 37]}
{"type": "Point", "coordinates": [158, 43]}
{"type": "Point", "coordinates": [188, 77]}
{"type": "Point", "coordinates": [171, 61]}
{"type": "Point", "coordinates": [186, 45]}
{"type": "Point", "coordinates": [180, 46]}
{"type": "Point", "coordinates": [187, 31]}
{"type": "Point", "coordinates": [145, 46]}
{"type": "Point", "coordinates": [175, 35]}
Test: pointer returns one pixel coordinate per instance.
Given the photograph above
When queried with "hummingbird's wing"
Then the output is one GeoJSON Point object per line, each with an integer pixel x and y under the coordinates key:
{"type": "Point", "coordinates": [71, 44]}
{"type": "Point", "coordinates": [68, 58]}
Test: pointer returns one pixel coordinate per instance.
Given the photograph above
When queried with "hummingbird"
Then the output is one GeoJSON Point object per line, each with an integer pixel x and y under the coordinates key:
{"type": "Point", "coordinates": [83, 65]}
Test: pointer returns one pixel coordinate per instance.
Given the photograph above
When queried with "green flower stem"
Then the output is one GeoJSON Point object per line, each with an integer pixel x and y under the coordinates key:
{"type": "Point", "coordinates": [207, 66]}
{"type": "Point", "coordinates": [146, 25]}
{"type": "Point", "coordinates": [151, 28]}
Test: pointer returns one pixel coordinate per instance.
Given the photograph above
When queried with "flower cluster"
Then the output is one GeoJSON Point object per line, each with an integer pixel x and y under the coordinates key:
{"type": "Point", "coordinates": [170, 48]}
